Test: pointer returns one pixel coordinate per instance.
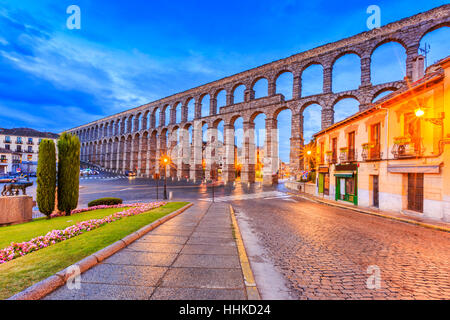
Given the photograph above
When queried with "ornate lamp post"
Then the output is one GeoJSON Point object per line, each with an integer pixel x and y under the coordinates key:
{"type": "Point", "coordinates": [165, 162]}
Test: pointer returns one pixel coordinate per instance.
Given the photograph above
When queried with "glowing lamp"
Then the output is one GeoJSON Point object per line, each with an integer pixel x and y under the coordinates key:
{"type": "Point", "coordinates": [419, 112]}
{"type": "Point", "coordinates": [308, 152]}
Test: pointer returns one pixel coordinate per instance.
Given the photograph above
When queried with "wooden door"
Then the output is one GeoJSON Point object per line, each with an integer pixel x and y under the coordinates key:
{"type": "Point", "coordinates": [415, 192]}
{"type": "Point", "coordinates": [376, 197]}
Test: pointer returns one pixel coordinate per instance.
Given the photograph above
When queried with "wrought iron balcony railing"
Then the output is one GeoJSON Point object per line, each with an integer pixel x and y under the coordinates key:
{"type": "Point", "coordinates": [348, 155]}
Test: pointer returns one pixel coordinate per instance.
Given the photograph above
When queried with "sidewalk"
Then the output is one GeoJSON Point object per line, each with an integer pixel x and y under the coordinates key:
{"type": "Point", "coordinates": [192, 256]}
{"type": "Point", "coordinates": [420, 221]}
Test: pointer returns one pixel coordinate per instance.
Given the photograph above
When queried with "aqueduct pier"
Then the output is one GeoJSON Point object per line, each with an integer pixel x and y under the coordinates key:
{"type": "Point", "coordinates": [131, 139]}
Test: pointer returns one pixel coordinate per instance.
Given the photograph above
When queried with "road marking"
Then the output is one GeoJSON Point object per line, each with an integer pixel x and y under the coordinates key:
{"type": "Point", "coordinates": [260, 195]}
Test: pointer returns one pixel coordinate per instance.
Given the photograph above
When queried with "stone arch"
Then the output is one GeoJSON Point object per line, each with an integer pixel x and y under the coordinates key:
{"type": "Point", "coordinates": [385, 41]}
{"type": "Point", "coordinates": [284, 85]}
{"type": "Point", "coordinates": [433, 28]}
{"type": "Point", "coordinates": [254, 87]}
{"type": "Point", "coordinates": [241, 96]}
{"type": "Point", "coordinates": [308, 86]}
{"type": "Point", "coordinates": [205, 109]}
{"type": "Point", "coordinates": [338, 72]}
{"type": "Point", "coordinates": [381, 91]}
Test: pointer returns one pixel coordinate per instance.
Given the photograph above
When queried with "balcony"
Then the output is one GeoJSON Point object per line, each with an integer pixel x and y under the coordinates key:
{"type": "Point", "coordinates": [3, 160]}
{"type": "Point", "coordinates": [371, 152]}
{"type": "Point", "coordinates": [407, 148]}
{"type": "Point", "coordinates": [30, 143]}
{"type": "Point", "coordinates": [19, 142]}
{"type": "Point", "coordinates": [348, 155]}
{"type": "Point", "coordinates": [331, 157]}
{"type": "Point", "coordinates": [6, 141]}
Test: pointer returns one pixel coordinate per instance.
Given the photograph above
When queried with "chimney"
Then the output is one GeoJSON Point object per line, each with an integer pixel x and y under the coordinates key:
{"type": "Point", "coordinates": [418, 68]}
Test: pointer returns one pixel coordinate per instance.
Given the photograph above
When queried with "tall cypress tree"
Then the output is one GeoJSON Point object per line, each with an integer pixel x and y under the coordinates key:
{"type": "Point", "coordinates": [46, 177]}
{"type": "Point", "coordinates": [68, 172]}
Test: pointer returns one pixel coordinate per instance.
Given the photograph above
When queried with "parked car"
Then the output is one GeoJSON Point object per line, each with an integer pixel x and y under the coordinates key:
{"type": "Point", "coordinates": [130, 173]}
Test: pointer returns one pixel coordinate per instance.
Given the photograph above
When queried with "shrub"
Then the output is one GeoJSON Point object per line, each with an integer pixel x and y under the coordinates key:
{"type": "Point", "coordinates": [68, 172]}
{"type": "Point", "coordinates": [46, 177]}
{"type": "Point", "coordinates": [105, 201]}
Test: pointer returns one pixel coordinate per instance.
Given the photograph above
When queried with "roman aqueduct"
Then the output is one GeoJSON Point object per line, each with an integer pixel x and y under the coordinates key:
{"type": "Point", "coordinates": [130, 140]}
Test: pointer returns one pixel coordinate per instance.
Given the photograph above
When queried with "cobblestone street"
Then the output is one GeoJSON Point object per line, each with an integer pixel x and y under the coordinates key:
{"type": "Point", "coordinates": [324, 252]}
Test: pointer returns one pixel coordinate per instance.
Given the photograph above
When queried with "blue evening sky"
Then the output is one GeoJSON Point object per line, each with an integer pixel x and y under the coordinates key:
{"type": "Point", "coordinates": [128, 53]}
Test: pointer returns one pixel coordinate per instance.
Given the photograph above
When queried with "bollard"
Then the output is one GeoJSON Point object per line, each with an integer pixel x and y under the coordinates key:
{"type": "Point", "coordinates": [170, 195]}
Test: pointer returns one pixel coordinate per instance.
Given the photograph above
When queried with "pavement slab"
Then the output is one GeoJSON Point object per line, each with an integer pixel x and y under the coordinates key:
{"type": "Point", "coordinates": [193, 256]}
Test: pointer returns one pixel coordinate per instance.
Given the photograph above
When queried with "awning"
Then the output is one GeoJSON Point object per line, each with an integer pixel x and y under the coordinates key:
{"type": "Point", "coordinates": [344, 174]}
{"type": "Point", "coordinates": [408, 168]}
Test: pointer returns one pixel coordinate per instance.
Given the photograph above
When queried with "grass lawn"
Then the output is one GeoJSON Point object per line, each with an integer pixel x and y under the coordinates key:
{"type": "Point", "coordinates": [20, 273]}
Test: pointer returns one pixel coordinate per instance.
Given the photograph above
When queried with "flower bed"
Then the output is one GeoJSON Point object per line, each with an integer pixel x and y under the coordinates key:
{"type": "Point", "coordinates": [60, 214]}
{"type": "Point", "coordinates": [16, 250]}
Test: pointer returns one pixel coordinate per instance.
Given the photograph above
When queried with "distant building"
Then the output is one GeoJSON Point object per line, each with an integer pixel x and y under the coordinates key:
{"type": "Point", "coordinates": [19, 149]}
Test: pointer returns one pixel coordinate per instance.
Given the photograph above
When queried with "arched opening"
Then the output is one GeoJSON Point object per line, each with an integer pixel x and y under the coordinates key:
{"type": "Point", "coordinates": [260, 141]}
{"type": "Point", "coordinates": [312, 80]}
{"type": "Point", "coordinates": [156, 115]}
{"type": "Point", "coordinates": [167, 115]}
{"type": "Point", "coordinates": [221, 98]}
{"type": "Point", "coordinates": [238, 94]}
{"type": "Point", "coordinates": [381, 94]}
{"type": "Point", "coordinates": [205, 105]}
{"type": "Point", "coordinates": [346, 73]}
{"type": "Point", "coordinates": [178, 112]}
{"type": "Point", "coordinates": [312, 121]}
{"type": "Point", "coordinates": [284, 84]}
{"type": "Point", "coordinates": [388, 63]}
{"type": "Point", "coordinates": [284, 124]}
{"type": "Point", "coordinates": [190, 110]}
{"type": "Point", "coordinates": [345, 108]}
{"type": "Point", "coordinates": [238, 143]}
{"type": "Point", "coordinates": [436, 44]}
{"type": "Point", "coordinates": [261, 88]}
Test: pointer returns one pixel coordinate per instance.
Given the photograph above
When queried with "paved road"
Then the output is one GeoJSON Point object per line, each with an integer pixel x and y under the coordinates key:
{"type": "Point", "coordinates": [193, 256]}
{"type": "Point", "coordinates": [325, 252]}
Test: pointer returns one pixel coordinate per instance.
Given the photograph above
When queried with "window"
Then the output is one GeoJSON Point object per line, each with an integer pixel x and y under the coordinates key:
{"type": "Point", "coordinates": [40, 140]}
{"type": "Point", "coordinates": [7, 139]}
{"type": "Point", "coordinates": [3, 158]}
{"type": "Point", "coordinates": [19, 148]}
{"type": "Point", "coordinates": [7, 147]}
{"type": "Point", "coordinates": [30, 157]}
{"type": "Point", "coordinates": [322, 148]}
{"type": "Point", "coordinates": [19, 140]}
{"type": "Point", "coordinates": [30, 140]}
{"type": "Point", "coordinates": [375, 141]}
{"type": "Point", "coordinates": [30, 149]}
{"type": "Point", "coordinates": [412, 131]}
{"type": "Point", "coordinates": [351, 146]}
{"type": "Point", "coordinates": [334, 150]}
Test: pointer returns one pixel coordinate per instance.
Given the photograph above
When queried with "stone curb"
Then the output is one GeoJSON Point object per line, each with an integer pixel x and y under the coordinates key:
{"type": "Point", "coordinates": [249, 279]}
{"type": "Point", "coordinates": [43, 288]}
{"type": "Point", "coordinates": [360, 210]}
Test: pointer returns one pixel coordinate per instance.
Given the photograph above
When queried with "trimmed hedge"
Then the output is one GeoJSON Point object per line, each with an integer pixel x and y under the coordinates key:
{"type": "Point", "coordinates": [105, 201]}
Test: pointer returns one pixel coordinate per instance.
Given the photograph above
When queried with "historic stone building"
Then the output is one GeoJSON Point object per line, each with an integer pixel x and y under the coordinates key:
{"type": "Point", "coordinates": [130, 140]}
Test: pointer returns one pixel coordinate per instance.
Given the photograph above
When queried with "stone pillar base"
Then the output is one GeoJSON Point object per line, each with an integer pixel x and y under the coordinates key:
{"type": "Point", "coordinates": [16, 209]}
{"type": "Point", "coordinates": [270, 180]}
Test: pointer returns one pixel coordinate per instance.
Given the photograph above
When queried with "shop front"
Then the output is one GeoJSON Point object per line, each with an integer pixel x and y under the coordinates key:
{"type": "Point", "coordinates": [347, 183]}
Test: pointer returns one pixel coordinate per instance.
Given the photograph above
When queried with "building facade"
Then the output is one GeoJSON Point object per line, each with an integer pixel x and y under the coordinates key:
{"type": "Point", "coordinates": [395, 155]}
{"type": "Point", "coordinates": [19, 149]}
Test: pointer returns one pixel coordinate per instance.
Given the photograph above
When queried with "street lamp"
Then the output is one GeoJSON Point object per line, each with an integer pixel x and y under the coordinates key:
{"type": "Point", "coordinates": [165, 161]}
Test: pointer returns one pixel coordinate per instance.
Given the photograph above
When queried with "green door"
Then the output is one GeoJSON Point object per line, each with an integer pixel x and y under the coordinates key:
{"type": "Point", "coordinates": [321, 180]}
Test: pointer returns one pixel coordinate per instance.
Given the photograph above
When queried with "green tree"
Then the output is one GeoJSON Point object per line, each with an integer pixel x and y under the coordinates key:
{"type": "Point", "coordinates": [68, 172]}
{"type": "Point", "coordinates": [46, 177]}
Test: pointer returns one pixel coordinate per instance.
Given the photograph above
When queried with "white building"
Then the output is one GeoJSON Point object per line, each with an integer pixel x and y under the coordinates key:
{"type": "Point", "coordinates": [19, 149]}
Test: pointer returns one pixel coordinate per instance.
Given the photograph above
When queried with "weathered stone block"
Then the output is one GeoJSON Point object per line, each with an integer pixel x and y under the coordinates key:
{"type": "Point", "coordinates": [16, 209]}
